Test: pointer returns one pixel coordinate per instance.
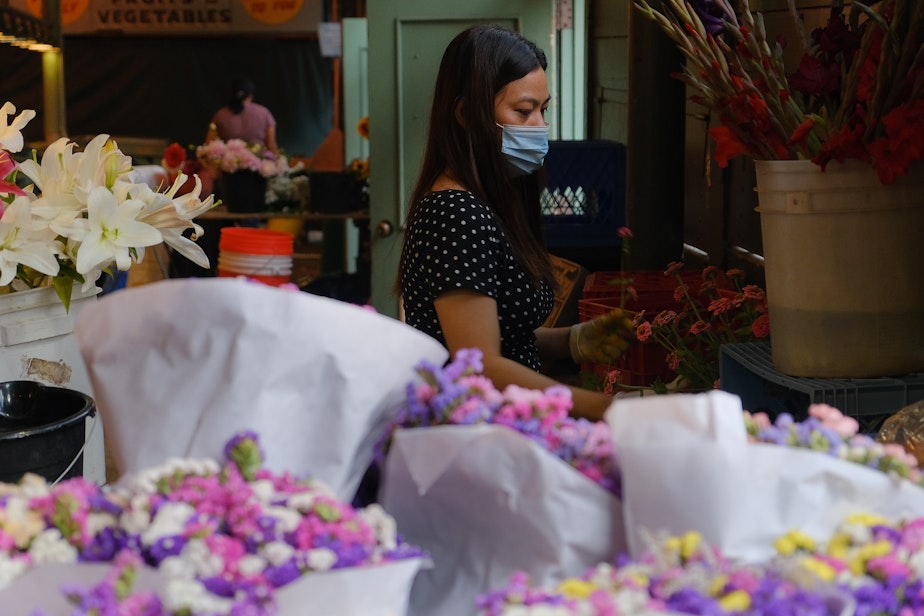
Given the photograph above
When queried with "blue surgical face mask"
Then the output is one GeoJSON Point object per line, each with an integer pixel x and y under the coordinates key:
{"type": "Point", "coordinates": [524, 147]}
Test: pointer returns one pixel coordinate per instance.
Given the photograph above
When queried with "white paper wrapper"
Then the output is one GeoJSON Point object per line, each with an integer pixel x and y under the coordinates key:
{"type": "Point", "coordinates": [372, 591]}
{"type": "Point", "coordinates": [485, 501]}
{"type": "Point", "coordinates": [687, 465]}
{"type": "Point", "coordinates": [179, 366]}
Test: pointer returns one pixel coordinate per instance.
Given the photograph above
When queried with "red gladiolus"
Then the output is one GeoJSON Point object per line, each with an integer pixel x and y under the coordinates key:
{"type": "Point", "coordinates": [728, 145]}
{"type": "Point", "coordinates": [799, 136]}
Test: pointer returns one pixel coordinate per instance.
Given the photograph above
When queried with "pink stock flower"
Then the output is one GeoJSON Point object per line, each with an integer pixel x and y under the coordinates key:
{"type": "Point", "coordinates": [834, 419]}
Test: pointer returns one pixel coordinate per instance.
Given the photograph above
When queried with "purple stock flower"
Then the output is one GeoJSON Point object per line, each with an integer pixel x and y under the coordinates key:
{"type": "Point", "coordinates": [104, 546]}
{"type": "Point", "coordinates": [164, 547]}
{"type": "Point", "coordinates": [280, 575]}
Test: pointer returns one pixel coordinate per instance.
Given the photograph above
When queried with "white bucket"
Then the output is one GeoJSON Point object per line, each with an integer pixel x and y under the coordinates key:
{"type": "Point", "coordinates": [843, 267]}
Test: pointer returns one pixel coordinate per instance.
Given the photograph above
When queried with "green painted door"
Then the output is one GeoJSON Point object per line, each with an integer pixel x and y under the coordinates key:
{"type": "Point", "coordinates": [406, 43]}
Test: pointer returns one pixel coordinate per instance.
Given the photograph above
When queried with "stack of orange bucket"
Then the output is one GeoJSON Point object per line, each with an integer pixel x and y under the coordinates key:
{"type": "Point", "coordinates": [259, 254]}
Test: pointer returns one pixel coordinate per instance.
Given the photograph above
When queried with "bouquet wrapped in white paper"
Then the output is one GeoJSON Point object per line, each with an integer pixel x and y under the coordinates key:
{"type": "Point", "coordinates": [179, 366]}
{"type": "Point", "coordinates": [195, 537]}
{"type": "Point", "coordinates": [688, 465]}
{"type": "Point", "coordinates": [508, 481]}
{"type": "Point", "coordinates": [485, 502]}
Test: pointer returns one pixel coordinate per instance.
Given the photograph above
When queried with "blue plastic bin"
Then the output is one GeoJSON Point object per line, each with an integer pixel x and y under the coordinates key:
{"type": "Point", "coordinates": [747, 370]}
{"type": "Point", "coordinates": [584, 203]}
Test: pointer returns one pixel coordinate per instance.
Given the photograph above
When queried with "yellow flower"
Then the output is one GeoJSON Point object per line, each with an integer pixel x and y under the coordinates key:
{"type": "Point", "coordinates": [718, 583]}
{"type": "Point", "coordinates": [685, 545]}
{"type": "Point", "coordinates": [867, 519]}
{"type": "Point", "coordinates": [735, 601]}
{"type": "Point", "coordinates": [792, 541]}
{"type": "Point", "coordinates": [362, 127]}
{"type": "Point", "coordinates": [839, 545]}
{"type": "Point", "coordinates": [574, 588]}
{"type": "Point", "coordinates": [822, 570]}
{"type": "Point", "coordinates": [868, 552]}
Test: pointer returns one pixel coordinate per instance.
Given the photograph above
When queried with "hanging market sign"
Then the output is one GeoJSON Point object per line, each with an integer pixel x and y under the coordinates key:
{"type": "Point", "coordinates": [138, 17]}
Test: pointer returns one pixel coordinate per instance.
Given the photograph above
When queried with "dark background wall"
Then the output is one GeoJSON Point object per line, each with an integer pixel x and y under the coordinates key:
{"type": "Point", "coordinates": [169, 87]}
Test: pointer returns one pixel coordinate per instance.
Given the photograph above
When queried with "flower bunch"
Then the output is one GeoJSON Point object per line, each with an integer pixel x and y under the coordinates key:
{"type": "Point", "coordinates": [856, 93]}
{"type": "Point", "coordinates": [225, 536]}
{"type": "Point", "coordinates": [178, 159]}
{"type": "Point", "coordinates": [876, 561]}
{"type": "Point", "coordinates": [827, 430]}
{"type": "Point", "coordinates": [237, 155]}
{"type": "Point", "coordinates": [75, 214]}
{"type": "Point", "coordinates": [721, 311]}
{"type": "Point", "coordinates": [678, 575]}
{"type": "Point", "coordinates": [288, 191]}
{"type": "Point", "coordinates": [458, 394]}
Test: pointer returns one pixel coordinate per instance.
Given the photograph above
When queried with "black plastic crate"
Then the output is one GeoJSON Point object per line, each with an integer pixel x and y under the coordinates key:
{"type": "Point", "coordinates": [747, 371]}
{"type": "Point", "coordinates": [584, 203]}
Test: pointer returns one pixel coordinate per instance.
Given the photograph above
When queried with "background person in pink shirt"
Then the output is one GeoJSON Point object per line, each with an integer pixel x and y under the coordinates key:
{"type": "Point", "coordinates": [244, 119]}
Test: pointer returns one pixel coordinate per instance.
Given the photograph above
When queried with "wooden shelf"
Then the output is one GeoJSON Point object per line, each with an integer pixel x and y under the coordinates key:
{"type": "Point", "coordinates": [219, 213]}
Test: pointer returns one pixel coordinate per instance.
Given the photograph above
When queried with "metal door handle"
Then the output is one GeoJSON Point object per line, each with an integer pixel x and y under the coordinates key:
{"type": "Point", "coordinates": [384, 229]}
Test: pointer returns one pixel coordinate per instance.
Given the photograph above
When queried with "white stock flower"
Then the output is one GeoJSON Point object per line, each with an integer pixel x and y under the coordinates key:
{"type": "Point", "coordinates": [136, 518]}
{"type": "Point", "coordinates": [251, 564]}
{"type": "Point", "coordinates": [384, 525]}
{"type": "Point", "coordinates": [187, 594]}
{"type": "Point", "coordinates": [11, 132]}
{"type": "Point", "coordinates": [21, 243]}
{"type": "Point", "coordinates": [277, 552]}
{"type": "Point", "coordinates": [51, 547]}
{"type": "Point", "coordinates": [11, 567]}
{"type": "Point", "coordinates": [169, 521]}
{"type": "Point", "coordinates": [203, 561]}
{"type": "Point", "coordinates": [287, 520]}
{"type": "Point", "coordinates": [263, 490]}
{"type": "Point", "coordinates": [320, 559]}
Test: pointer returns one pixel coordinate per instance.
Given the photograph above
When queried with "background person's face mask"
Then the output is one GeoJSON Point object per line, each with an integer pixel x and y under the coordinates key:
{"type": "Point", "coordinates": [524, 147]}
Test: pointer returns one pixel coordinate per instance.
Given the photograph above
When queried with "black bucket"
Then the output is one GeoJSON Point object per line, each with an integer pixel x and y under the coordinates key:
{"type": "Point", "coordinates": [42, 430]}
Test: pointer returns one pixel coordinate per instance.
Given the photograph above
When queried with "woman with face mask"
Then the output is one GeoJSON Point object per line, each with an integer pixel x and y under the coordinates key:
{"type": "Point", "coordinates": [474, 270]}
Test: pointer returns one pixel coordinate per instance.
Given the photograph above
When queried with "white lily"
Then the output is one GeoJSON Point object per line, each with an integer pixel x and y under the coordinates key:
{"type": "Point", "coordinates": [83, 211]}
{"type": "Point", "coordinates": [173, 215]}
{"type": "Point", "coordinates": [11, 133]}
{"type": "Point", "coordinates": [55, 178]}
{"type": "Point", "coordinates": [109, 232]}
{"type": "Point", "coordinates": [22, 243]}
{"type": "Point", "coordinates": [101, 164]}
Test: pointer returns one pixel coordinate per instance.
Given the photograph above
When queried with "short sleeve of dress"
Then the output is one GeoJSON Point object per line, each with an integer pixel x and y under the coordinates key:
{"type": "Point", "coordinates": [456, 241]}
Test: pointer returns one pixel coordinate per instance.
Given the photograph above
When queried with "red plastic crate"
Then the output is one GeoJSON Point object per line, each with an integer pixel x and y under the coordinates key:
{"type": "Point", "coordinates": [605, 284]}
{"type": "Point", "coordinates": [642, 363]}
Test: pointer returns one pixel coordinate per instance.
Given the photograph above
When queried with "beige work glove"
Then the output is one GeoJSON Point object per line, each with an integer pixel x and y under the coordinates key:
{"type": "Point", "coordinates": [603, 339]}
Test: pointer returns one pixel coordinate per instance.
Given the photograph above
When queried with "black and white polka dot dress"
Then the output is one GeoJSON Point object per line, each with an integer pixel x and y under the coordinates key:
{"type": "Point", "coordinates": [455, 242]}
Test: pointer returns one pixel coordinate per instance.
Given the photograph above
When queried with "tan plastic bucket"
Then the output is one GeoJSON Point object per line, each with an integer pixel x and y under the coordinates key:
{"type": "Point", "coordinates": [844, 263]}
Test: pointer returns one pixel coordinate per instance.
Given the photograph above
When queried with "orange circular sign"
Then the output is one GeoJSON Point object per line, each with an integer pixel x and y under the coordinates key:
{"type": "Point", "coordinates": [273, 11]}
{"type": "Point", "coordinates": [71, 10]}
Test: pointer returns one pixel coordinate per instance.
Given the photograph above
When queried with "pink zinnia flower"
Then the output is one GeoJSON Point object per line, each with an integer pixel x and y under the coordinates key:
{"type": "Point", "coordinates": [699, 327]}
{"type": "Point", "coordinates": [761, 326]}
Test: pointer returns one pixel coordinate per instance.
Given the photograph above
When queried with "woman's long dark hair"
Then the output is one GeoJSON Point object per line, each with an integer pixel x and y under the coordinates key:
{"type": "Point", "coordinates": [476, 65]}
{"type": "Point", "coordinates": [241, 88]}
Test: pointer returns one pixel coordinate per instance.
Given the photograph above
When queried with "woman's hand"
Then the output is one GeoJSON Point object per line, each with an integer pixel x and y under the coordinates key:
{"type": "Point", "coordinates": [603, 339]}
{"type": "Point", "coordinates": [469, 320]}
